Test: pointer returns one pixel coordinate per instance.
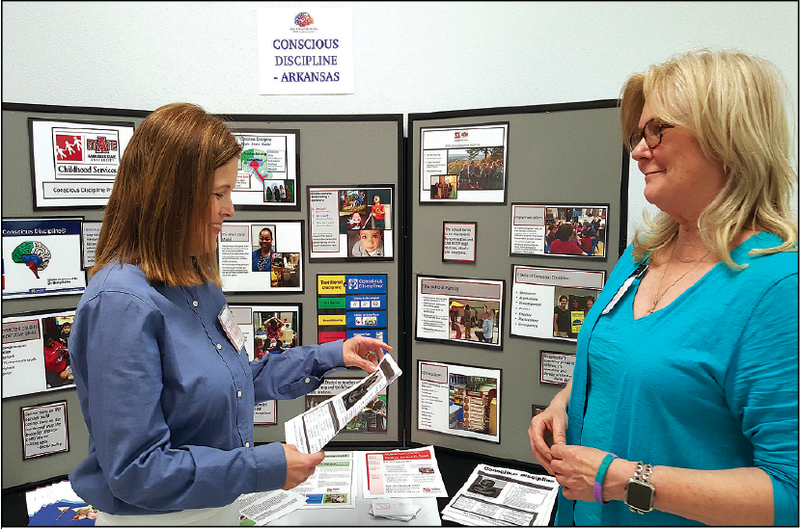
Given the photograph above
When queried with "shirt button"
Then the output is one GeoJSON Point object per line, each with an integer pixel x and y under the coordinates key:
{"type": "Point", "coordinates": [240, 393]}
{"type": "Point", "coordinates": [195, 303]}
{"type": "Point", "coordinates": [219, 346]}
{"type": "Point", "coordinates": [308, 380]}
{"type": "Point", "coordinates": [247, 445]}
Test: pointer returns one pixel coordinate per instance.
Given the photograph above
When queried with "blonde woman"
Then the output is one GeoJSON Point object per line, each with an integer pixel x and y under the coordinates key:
{"type": "Point", "coordinates": [683, 403]}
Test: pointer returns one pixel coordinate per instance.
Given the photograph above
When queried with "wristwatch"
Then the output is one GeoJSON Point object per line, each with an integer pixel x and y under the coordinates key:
{"type": "Point", "coordinates": [639, 492]}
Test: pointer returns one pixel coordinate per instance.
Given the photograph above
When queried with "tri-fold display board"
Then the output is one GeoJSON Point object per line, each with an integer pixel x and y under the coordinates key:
{"type": "Point", "coordinates": [516, 217]}
{"type": "Point", "coordinates": [451, 246]}
{"type": "Point", "coordinates": [313, 254]}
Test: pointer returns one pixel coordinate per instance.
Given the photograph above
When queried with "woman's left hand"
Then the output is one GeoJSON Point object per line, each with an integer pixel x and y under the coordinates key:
{"type": "Point", "coordinates": [363, 352]}
{"type": "Point", "coordinates": [575, 468]}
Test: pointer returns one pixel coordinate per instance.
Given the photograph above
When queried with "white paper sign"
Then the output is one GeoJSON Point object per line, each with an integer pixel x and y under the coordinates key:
{"type": "Point", "coordinates": [305, 52]}
{"type": "Point", "coordinates": [44, 429]}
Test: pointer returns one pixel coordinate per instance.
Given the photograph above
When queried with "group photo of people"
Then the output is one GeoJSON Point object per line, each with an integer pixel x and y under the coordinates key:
{"type": "Point", "coordinates": [444, 186]}
{"type": "Point", "coordinates": [477, 322]}
{"type": "Point", "coordinates": [575, 231]}
{"type": "Point", "coordinates": [480, 168]}
{"type": "Point", "coordinates": [569, 311]}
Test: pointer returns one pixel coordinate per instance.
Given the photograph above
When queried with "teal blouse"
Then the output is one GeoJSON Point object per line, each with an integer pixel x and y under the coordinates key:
{"type": "Point", "coordinates": [708, 382]}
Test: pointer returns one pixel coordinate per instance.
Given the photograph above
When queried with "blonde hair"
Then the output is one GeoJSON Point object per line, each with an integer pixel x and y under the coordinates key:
{"type": "Point", "coordinates": [734, 104]}
{"type": "Point", "coordinates": [158, 210]}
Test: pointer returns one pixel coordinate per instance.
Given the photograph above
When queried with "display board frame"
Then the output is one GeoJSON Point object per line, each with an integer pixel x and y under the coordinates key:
{"type": "Point", "coordinates": [330, 143]}
{"type": "Point", "coordinates": [570, 153]}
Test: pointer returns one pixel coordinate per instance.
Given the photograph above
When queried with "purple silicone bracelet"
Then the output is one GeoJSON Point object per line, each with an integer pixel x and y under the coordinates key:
{"type": "Point", "coordinates": [601, 474]}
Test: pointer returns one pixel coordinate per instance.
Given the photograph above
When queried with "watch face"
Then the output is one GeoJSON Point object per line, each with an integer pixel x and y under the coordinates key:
{"type": "Point", "coordinates": [639, 495]}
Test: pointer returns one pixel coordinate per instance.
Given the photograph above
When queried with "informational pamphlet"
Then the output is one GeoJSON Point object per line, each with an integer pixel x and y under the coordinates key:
{"type": "Point", "coordinates": [310, 431]}
{"type": "Point", "coordinates": [260, 508]}
{"type": "Point", "coordinates": [333, 484]}
{"type": "Point", "coordinates": [402, 474]}
{"type": "Point", "coordinates": [503, 496]}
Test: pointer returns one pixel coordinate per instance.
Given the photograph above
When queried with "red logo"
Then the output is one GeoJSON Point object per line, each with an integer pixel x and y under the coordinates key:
{"type": "Point", "coordinates": [69, 148]}
{"type": "Point", "coordinates": [461, 135]}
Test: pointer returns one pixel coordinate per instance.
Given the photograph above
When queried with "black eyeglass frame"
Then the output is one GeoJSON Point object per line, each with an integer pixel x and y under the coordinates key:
{"type": "Point", "coordinates": [648, 134]}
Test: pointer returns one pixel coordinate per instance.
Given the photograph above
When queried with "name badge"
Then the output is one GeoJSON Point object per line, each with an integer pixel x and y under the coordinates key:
{"type": "Point", "coordinates": [231, 328]}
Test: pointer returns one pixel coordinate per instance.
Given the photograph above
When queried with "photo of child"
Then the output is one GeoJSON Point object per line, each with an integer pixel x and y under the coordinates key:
{"type": "Point", "coordinates": [366, 243]}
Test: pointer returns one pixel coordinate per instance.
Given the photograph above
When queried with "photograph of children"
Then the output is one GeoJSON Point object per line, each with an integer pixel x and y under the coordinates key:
{"type": "Point", "coordinates": [263, 254]}
{"type": "Point", "coordinates": [473, 403]}
{"type": "Point", "coordinates": [275, 332]}
{"type": "Point", "coordinates": [444, 186]}
{"type": "Point", "coordinates": [365, 209]}
{"type": "Point", "coordinates": [570, 308]}
{"type": "Point", "coordinates": [575, 231]}
{"type": "Point", "coordinates": [366, 243]}
{"type": "Point", "coordinates": [58, 371]}
{"type": "Point", "coordinates": [481, 168]}
{"type": "Point", "coordinates": [475, 321]}
{"type": "Point", "coordinates": [353, 201]}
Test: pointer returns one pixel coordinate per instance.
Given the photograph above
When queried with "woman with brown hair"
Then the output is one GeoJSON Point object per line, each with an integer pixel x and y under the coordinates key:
{"type": "Point", "coordinates": [164, 381]}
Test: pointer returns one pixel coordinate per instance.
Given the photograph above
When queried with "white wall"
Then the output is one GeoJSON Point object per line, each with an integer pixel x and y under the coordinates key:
{"type": "Point", "coordinates": [410, 57]}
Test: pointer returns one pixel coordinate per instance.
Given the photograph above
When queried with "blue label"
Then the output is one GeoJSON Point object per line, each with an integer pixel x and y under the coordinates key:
{"type": "Point", "coordinates": [366, 302]}
{"type": "Point", "coordinates": [379, 334]}
{"type": "Point", "coordinates": [360, 320]}
{"type": "Point", "coordinates": [367, 284]}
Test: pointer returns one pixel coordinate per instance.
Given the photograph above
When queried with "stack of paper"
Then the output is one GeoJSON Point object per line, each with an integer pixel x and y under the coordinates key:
{"type": "Point", "coordinates": [58, 505]}
{"type": "Point", "coordinates": [400, 510]}
{"type": "Point", "coordinates": [503, 496]}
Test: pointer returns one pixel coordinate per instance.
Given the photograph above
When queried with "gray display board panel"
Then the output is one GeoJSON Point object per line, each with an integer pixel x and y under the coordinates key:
{"type": "Point", "coordinates": [568, 154]}
{"type": "Point", "coordinates": [335, 150]}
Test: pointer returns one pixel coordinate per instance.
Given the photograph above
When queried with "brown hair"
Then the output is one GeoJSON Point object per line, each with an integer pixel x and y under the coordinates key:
{"type": "Point", "coordinates": [158, 209]}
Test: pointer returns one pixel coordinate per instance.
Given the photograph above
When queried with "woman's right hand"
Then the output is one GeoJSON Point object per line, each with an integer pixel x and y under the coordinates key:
{"type": "Point", "coordinates": [549, 428]}
{"type": "Point", "coordinates": [299, 466]}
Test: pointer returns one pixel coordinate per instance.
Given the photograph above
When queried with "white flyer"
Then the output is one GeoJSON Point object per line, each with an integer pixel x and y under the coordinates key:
{"type": "Point", "coordinates": [402, 474]}
{"type": "Point", "coordinates": [503, 496]}
{"type": "Point", "coordinates": [311, 430]}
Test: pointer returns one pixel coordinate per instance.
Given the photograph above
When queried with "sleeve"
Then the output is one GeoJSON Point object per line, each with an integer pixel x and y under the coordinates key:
{"type": "Point", "coordinates": [763, 392]}
{"type": "Point", "coordinates": [296, 371]}
{"type": "Point", "coordinates": [142, 463]}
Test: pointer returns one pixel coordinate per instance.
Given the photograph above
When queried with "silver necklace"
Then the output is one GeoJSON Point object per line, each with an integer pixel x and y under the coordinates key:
{"type": "Point", "coordinates": [658, 288]}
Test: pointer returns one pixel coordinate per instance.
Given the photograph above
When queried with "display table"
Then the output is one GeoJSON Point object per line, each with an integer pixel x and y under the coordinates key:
{"type": "Point", "coordinates": [359, 516]}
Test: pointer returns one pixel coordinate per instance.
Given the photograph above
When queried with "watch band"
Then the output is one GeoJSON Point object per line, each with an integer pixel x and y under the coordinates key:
{"type": "Point", "coordinates": [643, 472]}
{"type": "Point", "coordinates": [640, 481]}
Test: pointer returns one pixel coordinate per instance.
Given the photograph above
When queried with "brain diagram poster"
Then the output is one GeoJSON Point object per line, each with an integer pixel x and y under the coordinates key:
{"type": "Point", "coordinates": [42, 257]}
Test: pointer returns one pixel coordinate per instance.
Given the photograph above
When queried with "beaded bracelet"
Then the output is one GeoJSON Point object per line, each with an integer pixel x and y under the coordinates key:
{"type": "Point", "coordinates": [601, 474]}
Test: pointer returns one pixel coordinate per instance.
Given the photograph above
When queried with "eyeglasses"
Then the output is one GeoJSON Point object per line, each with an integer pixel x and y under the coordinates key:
{"type": "Point", "coordinates": [651, 133]}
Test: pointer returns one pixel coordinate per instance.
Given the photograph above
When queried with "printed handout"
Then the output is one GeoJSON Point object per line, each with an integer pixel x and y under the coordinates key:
{"type": "Point", "coordinates": [402, 474]}
{"type": "Point", "coordinates": [333, 484]}
{"type": "Point", "coordinates": [311, 430]}
{"type": "Point", "coordinates": [503, 496]}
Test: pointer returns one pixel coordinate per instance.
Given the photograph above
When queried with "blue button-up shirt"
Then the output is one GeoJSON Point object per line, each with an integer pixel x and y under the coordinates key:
{"type": "Point", "coordinates": [168, 401]}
